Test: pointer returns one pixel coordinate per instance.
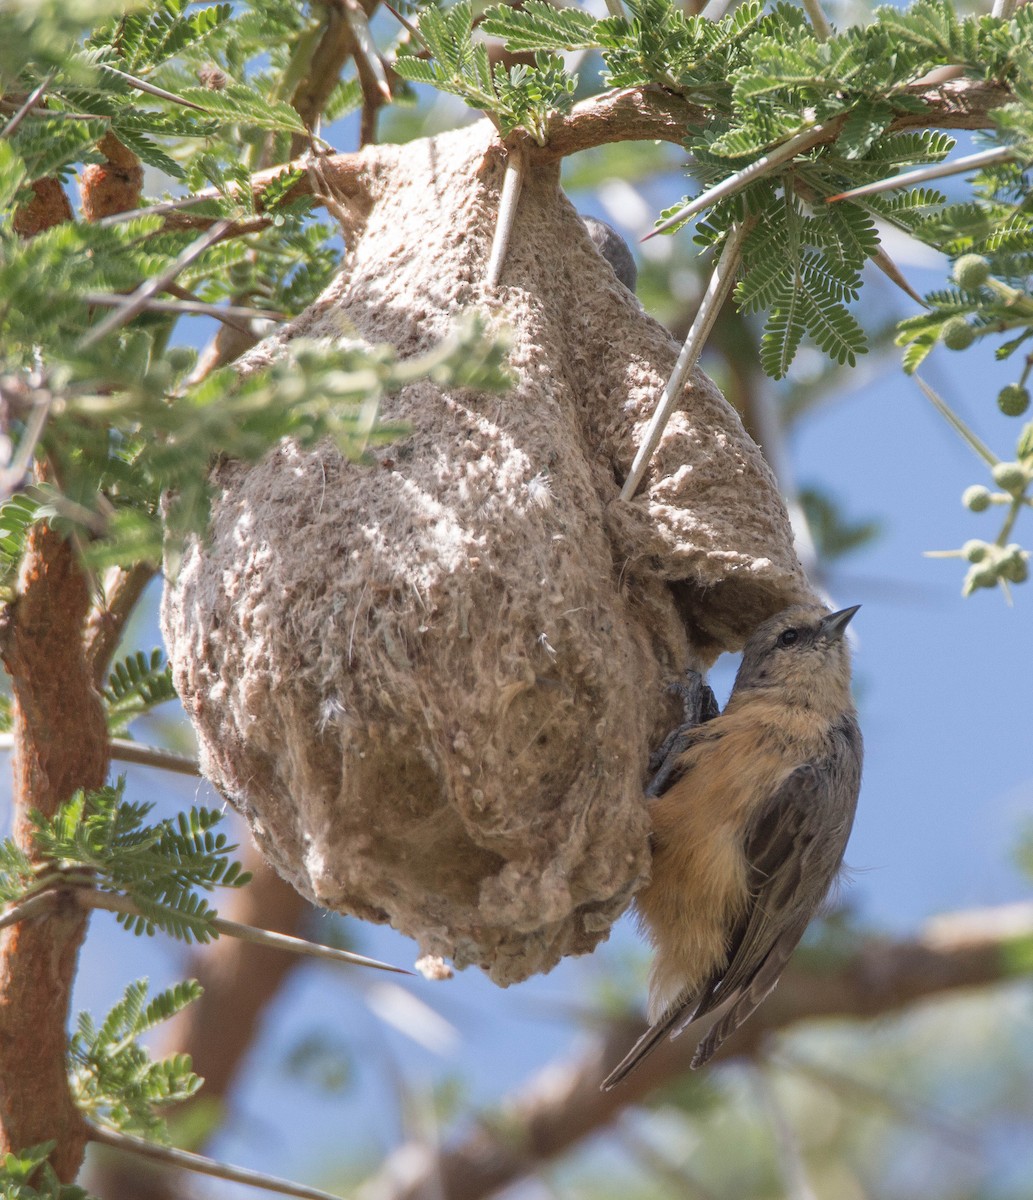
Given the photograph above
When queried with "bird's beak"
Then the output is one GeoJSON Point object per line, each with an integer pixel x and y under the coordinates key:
{"type": "Point", "coordinates": [835, 623]}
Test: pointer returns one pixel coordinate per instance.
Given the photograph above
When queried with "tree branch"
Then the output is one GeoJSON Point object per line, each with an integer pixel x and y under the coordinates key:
{"type": "Point", "coordinates": [563, 1104]}
{"type": "Point", "coordinates": [60, 744]}
{"type": "Point", "coordinates": [645, 114]}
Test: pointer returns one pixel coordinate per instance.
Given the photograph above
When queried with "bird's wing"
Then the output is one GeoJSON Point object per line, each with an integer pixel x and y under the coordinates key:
{"type": "Point", "coordinates": [678, 1014]}
{"type": "Point", "coordinates": [794, 848]}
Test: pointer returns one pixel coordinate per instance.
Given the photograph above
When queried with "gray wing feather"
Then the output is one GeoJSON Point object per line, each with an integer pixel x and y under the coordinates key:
{"type": "Point", "coordinates": [794, 848]}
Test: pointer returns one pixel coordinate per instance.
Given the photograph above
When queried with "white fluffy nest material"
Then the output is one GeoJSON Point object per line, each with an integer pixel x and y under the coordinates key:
{"type": "Point", "coordinates": [431, 685]}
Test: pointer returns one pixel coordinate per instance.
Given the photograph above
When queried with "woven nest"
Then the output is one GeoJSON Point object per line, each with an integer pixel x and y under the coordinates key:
{"type": "Point", "coordinates": [432, 684]}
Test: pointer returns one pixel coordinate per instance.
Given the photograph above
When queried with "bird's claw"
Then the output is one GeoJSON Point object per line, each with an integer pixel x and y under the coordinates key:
{"type": "Point", "coordinates": [698, 706]}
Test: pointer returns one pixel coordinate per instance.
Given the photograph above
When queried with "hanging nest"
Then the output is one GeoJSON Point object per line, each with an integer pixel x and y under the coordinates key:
{"type": "Point", "coordinates": [431, 684]}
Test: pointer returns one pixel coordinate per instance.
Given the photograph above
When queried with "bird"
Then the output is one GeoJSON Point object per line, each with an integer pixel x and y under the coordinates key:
{"type": "Point", "coordinates": [751, 812]}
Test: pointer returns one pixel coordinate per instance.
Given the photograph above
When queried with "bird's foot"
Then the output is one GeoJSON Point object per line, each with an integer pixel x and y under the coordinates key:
{"type": "Point", "coordinates": [698, 706]}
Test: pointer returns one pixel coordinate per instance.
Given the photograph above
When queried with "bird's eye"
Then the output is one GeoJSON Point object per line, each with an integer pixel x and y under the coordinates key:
{"type": "Point", "coordinates": [787, 637]}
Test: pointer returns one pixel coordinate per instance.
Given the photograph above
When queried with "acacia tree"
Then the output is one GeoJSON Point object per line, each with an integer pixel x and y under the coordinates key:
{"type": "Point", "coordinates": [791, 128]}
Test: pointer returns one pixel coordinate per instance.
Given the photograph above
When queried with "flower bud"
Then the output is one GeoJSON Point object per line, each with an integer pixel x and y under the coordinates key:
{"type": "Point", "coordinates": [1013, 399]}
{"type": "Point", "coordinates": [976, 498]}
{"type": "Point", "coordinates": [957, 334]}
{"type": "Point", "coordinates": [1010, 476]}
{"type": "Point", "coordinates": [971, 271]}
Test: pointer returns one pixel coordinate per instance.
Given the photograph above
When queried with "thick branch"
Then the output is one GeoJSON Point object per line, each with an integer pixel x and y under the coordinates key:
{"type": "Point", "coordinates": [564, 1104]}
{"type": "Point", "coordinates": [643, 114]}
{"type": "Point", "coordinates": [60, 744]}
{"type": "Point", "coordinates": [633, 114]}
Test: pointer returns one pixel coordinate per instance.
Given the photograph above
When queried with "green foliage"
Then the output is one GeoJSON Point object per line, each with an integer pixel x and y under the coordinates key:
{"type": "Point", "coordinates": [113, 1079]}
{"type": "Point", "coordinates": [521, 97]}
{"type": "Point", "coordinates": [100, 839]}
{"type": "Point", "coordinates": [135, 686]}
{"type": "Point", "coordinates": [17, 515]}
{"type": "Point", "coordinates": [16, 1170]}
{"type": "Point", "coordinates": [764, 77]}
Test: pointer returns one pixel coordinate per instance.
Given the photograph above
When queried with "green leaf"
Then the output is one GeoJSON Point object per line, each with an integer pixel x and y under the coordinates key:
{"type": "Point", "coordinates": [239, 104]}
{"type": "Point", "coordinates": [112, 1077]}
{"type": "Point", "coordinates": [540, 26]}
{"type": "Point", "coordinates": [161, 868]}
{"type": "Point", "coordinates": [135, 686]}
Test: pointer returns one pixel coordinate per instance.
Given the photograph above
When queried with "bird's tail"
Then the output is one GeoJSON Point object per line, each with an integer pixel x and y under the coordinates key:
{"type": "Point", "coordinates": [676, 1017]}
{"type": "Point", "coordinates": [754, 994]}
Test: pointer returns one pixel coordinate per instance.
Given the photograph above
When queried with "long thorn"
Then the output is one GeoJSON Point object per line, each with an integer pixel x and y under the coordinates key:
{"type": "Point", "coordinates": [188, 1161]}
{"type": "Point", "coordinates": [142, 85]}
{"type": "Point", "coordinates": [146, 291]}
{"type": "Point", "coordinates": [512, 183]}
{"type": "Point", "coordinates": [356, 18]}
{"type": "Point", "coordinates": [28, 908]}
{"type": "Point", "coordinates": [952, 419]}
{"type": "Point", "coordinates": [971, 162]}
{"type": "Point", "coordinates": [819, 22]}
{"type": "Point", "coordinates": [230, 314]}
{"type": "Point", "coordinates": [116, 903]}
{"type": "Point", "coordinates": [893, 273]}
{"type": "Point", "coordinates": [27, 107]}
{"type": "Point", "coordinates": [717, 292]}
{"type": "Point", "coordinates": [735, 183]}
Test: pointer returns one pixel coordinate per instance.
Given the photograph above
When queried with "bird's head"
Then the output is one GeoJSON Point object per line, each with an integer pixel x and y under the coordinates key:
{"type": "Point", "coordinates": [802, 652]}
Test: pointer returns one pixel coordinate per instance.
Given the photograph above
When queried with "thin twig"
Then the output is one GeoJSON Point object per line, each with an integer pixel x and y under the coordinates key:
{"type": "Point", "coordinates": [971, 162]}
{"type": "Point", "coordinates": [819, 22]}
{"type": "Point", "coordinates": [952, 419]}
{"type": "Point", "coordinates": [125, 750]}
{"type": "Point", "coordinates": [29, 908]}
{"type": "Point", "coordinates": [27, 107]}
{"type": "Point", "coordinates": [157, 210]}
{"type": "Point", "coordinates": [188, 1161]}
{"type": "Point", "coordinates": [146, 291]}
{"type": "Point", "coordinates": [682, 1181]}
{"type": "Point", "coordinates": [903, 1108]}
{"type": "Point", "coordinates": [355, 15]}
{"type": "Point", "coordinates": [116, 903]}
{"type": "Point", "coordinates": [143, 86]}
{"type": "Point", "coordinates": [512, 185]}
{"type": "Point", "coordinates": [797, 144]}
{"type": "Point", "coordinates": [12, 476]}
{"type": "Point", "coordinates": [121, 589]}
{"type": "Point", "coordinates": [229, 314]}
{"type": "Point", "coordinates": [795, 1183]}
{"type": "Point", "coordinates": [717, 292]}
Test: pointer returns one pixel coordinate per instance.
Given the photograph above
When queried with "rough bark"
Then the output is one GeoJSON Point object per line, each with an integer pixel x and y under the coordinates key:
{"type": "Point", "coordinates": [60, 744]}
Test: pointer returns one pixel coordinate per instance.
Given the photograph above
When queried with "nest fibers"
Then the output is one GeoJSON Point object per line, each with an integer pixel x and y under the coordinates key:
{"type": "Point", "coordinates": [431, 684]}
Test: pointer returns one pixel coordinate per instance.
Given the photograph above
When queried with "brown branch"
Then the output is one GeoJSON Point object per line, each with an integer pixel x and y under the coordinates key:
{"type": "Point", "coordinates": [564, 1104]}
{"type": "Point", "coordinates": [60, 744]}
{"type": "Point", "coordinates": [643, 114]}
{"type": "Point", "coordinates": [632, 114]}
{"type": "Point", "coordinates": [112, 186]}
{"type": "Point", "coordinates": [123, 587]}
{"type": "Point", "coordinates": [49, 206]}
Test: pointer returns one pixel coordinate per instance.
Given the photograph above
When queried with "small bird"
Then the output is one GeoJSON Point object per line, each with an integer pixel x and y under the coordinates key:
{"type": "Point", "coordinates": [750, 829]}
